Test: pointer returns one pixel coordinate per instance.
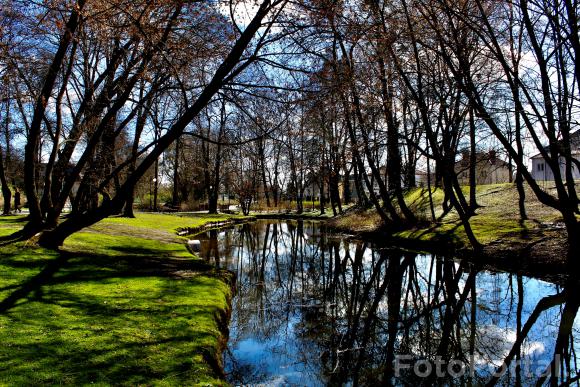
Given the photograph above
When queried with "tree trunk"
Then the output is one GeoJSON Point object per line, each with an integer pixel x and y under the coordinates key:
{"type": "Point", "coordinates": [573, 237]}
{"type": "Point", "coordinates": [321, 201]}
{"type": "Point", "coordinates": [334, 193]}
{"type": "Point", "coordinates": [519, 176]}
{"type": "Point", "coordinates": [261, 146]}
{"type": "Point", "coordinates": [175, 195]}
{"type": "Point", "coordinates": [6, 193]}
{"type": "Point", "coordinates": [472, 164]}
{"type": "Point", "coordinates": [32, 148]}
{"type": "Point", "coordinates": [362, 199]}
{"type": "Point", "coordinates": [139, 126]}
{"type": "Point", "coordinates": [212, 201]}
{"type": "Point", "coordinates": [456, 203]}
{"type": "Point", "coordinates": [394, 153]}
{"type": "Point", "coordinates": [155, 184]}
{"type": "Point", "coordinates": [346, 184]}
{"type": "Point", "coordinates": [129, 204]}
{"type": "Point", "coordinates": [429, 191]}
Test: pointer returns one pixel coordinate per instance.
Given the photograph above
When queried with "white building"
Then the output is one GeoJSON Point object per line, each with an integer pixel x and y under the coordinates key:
{"type": "Point", "coordinates": [541, 171]}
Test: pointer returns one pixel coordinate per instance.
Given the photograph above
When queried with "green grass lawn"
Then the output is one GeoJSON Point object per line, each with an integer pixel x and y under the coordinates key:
{"type": "Point", "coordinates": [113, 307]}
{"type": "Point", "coordinates": [498, 218]}
{"type": "Point", "coordinates": [164, 222]}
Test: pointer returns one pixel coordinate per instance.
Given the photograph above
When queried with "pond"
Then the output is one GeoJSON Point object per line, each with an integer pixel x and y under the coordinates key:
{"type": "Point", "coordinates": [314, 307]}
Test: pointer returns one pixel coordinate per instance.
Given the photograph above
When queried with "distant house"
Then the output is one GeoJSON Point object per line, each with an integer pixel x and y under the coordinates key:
{"type": "Point", "coordinates": [541, 170]}
{"type": "Point", "coordinates": [489, 169]}
{"type": "Point", "coordinates": [421, 178]}
{"type": "Point", "coordinates": [312, 190]}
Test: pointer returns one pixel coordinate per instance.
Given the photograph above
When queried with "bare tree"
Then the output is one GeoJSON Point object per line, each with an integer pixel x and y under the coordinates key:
{"type": "Point", "coordinates": [117, 74]}
{"type": "Point", "coordinates": [541, 90]}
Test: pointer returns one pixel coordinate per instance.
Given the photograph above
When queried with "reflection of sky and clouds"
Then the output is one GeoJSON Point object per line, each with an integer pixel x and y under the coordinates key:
{"type": "Point", "coordinates": [313, 309]}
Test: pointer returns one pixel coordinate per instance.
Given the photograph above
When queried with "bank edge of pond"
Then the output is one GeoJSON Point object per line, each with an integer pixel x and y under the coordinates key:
{"type": "Point", "coordinates": [214, 356]}
{"type": "Point", "coordinates": [540, 254]}
{"type": "Point", "coordinates": [223, 316]}
{"type": "Point", "coordinates": [192, 231]}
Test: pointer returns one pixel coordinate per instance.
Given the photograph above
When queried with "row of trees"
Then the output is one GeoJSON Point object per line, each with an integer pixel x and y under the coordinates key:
{"type": "Point", "coordinates": [109, 71]}
{"type": "Point", "coordinates": [272, 96]}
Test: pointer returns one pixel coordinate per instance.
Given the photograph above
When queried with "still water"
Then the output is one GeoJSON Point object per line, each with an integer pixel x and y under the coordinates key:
{"type": "Point", "coordinates": [317, 308]}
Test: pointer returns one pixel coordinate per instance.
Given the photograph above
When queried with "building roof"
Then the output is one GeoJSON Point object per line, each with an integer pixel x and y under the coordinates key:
{"type": "Point", "coordinates": [575, 152]}
{"type": "Point", "coordinates": [489, 158]}
{"type": "Point", "coordinates": [574, 141]}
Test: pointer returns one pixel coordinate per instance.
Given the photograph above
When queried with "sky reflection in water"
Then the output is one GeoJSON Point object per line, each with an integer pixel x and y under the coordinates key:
{"type": "Point", "coordinates": [313, 308]}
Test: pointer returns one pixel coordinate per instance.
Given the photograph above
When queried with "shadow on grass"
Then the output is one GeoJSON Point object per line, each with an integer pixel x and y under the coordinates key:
{"type": "Point", "coordinates": [138, 262]}
{"type": "Point", "coordinates": [33, 284]}
{"type": "Point", "coordinates": [434, 233]}
{"type": "Point", "coordinates": [89, 318]}
{"type": "Point", "coordinates": [15, 218]}
{"type": "Point", "coordinates": [17, 236]}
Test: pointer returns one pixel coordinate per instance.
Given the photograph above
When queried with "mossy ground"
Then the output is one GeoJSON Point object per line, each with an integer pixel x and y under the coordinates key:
{"type": "Point", "coordinates": [498, 217]}
{"type": "Point", "coordinates": [122, 304]}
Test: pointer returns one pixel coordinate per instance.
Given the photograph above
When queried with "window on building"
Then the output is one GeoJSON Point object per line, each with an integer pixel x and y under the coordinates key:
{"type": "Point", "coordinates": [540, 167]}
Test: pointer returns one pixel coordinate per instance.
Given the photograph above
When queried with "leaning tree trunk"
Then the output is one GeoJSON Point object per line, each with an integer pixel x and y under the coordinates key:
{"type": "Point", "coordinates": [55, 238]}
{"type": "Point", "coordinates": [32, 148]}
{"type": "Point", "coordinates": [459, 204]}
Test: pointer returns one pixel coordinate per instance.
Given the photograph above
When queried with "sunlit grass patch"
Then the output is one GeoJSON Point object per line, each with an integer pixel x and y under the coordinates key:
{"type": "Point", "coordinates": [167, 222]}
{"type": "Point", "coordinates": [358, 221]}
{"type": "Point", "coordinates": [10, 223]}
{"type": "Point", "coordinates": [497, 218]}
{"type": "Point", "coordinates": [108, 310]}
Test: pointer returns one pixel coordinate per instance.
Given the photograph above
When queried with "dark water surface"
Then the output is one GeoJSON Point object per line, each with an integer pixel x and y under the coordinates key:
{"type": "Point", "coordinates": [315, 308]}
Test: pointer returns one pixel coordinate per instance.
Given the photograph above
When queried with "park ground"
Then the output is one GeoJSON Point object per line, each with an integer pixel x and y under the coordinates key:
{"type": "Point", "coordinates": [122, 303]}
{"type": "Point", "coordinates": [534, 246]}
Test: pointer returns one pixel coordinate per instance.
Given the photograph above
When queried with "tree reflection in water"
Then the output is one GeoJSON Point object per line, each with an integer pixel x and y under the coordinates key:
{"type": "Point", "coordinates": [315, 308]}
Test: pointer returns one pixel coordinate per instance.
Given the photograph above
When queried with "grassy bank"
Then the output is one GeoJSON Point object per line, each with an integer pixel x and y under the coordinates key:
{"type": "Point", "coordinates": [496, 223]}
{"type": "Point", "coordinates": [122, 303]}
